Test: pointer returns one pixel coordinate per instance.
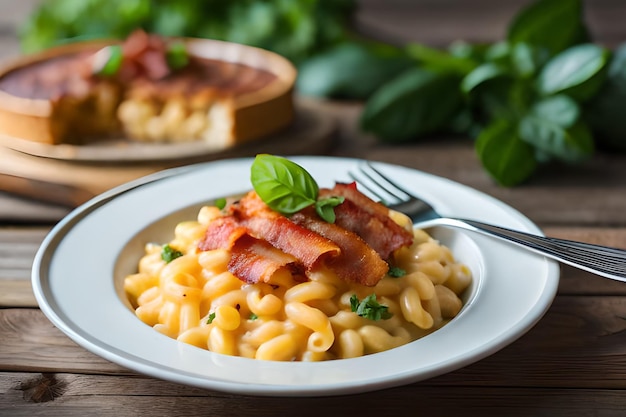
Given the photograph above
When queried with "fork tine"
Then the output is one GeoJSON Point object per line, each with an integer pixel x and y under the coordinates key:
{"type": "Point", "coordinates": [372, 182]}
{"type": "Point", "coordinates": [368, 189]}
{"type": "Point", "coordinates": [397, 188]}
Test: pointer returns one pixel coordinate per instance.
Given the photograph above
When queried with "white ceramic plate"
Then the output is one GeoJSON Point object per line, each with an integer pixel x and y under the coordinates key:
{"type": "Point", "coordinates": [79, 270]}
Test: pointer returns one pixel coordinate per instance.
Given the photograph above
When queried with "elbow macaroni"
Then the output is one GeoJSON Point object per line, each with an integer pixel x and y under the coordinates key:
{"type": "Point", "coordinates": [196, 300]}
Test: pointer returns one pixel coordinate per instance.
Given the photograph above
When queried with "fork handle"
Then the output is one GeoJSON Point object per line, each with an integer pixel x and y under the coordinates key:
{"type": "Point", "coordinates": [601, 260]}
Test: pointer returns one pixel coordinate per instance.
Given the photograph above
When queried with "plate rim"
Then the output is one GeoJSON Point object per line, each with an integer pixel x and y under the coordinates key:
{"type": "Point", "coordinates": [58, 233]}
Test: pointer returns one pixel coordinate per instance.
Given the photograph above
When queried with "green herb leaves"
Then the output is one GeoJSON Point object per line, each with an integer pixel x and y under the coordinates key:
{"type": "Point", "coordinates": [282, 184]}
{"type": "Point", "coordinates": [575, 71]}
{"type": "Point", "coordinates": [418, 102]}
{"type": "Point", "coordinates": [108, 60]}
{"type": "Point", "coordinates": [369, 308]}
{"type": "Point", "coordinates": [287, 188]}
{"type": "Point", "coordinates": [351, 70]}
{"type": "Point", "coordinates": [551, 24]}
{"type": "Point", "coordinates": [296, 29]}
{"type": "Point", "coordinates": [525, 99]}
{"type": "Point", "coordinates": [210, 319]}
{"type": "Point", "coordinates": [168, 253]}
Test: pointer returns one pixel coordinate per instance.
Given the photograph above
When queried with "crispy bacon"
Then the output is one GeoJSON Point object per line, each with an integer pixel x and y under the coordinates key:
{"type": "Point", "coordinates": [222, 233]}
{"type": "Point", "coordinates": [368, 219]}
{"type": "Point", "coordinates": [309, 247]}
{"type": "Point", "coordinates": [263, 241]}
{"type": "Point", "coordinates": [144, 56]}
{"type": "Point", "coordinates": [254, 260]}
{"type": "Point", "coordinates": [357, 262]}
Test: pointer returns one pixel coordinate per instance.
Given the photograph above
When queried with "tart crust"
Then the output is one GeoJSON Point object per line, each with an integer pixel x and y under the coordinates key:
{"type": "Point", "coordinates": [95, 111]}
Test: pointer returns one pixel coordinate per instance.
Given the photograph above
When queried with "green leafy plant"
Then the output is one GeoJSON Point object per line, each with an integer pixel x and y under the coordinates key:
{"type": "Point", "coordinates": [287, 188]}
{"type": "Point", "coordinates": [604, 112]}
{"type": "Point", "coordinates": [296, 29]}
{"type": "Point", "coordinates": [525, 99]}
{"type": "Point", "coordinates": [352, 69]}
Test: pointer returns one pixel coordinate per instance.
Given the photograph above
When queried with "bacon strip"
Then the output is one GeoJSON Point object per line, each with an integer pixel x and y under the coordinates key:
{"type": "Point", "coordinates": [222, 233]}
{"type": "Point", "coordinates": [357, 262]}
{"type": "Point", "coordinates": [262, 241]}
{"type": "Point", "coordinates": [368, 219]}
{"type": "Point", "coordinates": [309, 247]}
{"type": "Point", "coordinates": [253, 260]}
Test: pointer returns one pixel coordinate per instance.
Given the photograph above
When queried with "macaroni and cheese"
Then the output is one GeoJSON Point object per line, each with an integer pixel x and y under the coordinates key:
{"type": "Point", "coordinates": [194, 298]}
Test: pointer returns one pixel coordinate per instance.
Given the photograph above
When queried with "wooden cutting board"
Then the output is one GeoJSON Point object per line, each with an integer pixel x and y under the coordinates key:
{"type": "Point", "coordinates": [72, 182]}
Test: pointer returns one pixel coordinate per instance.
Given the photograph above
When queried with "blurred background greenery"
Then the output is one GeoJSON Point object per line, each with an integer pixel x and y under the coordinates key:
{"type": "Point", "coordinates": [295, 29]}
{"type": "Point", "coordinates": [541, 92]}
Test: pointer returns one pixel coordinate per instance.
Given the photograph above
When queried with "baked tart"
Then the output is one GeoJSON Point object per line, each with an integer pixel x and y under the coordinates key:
{"type": "Point", "coordinates": [149, 89]}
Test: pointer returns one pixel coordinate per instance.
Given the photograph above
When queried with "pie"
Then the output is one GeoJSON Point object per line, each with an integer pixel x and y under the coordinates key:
{"type": "Point", "coordinates": [221, 93]}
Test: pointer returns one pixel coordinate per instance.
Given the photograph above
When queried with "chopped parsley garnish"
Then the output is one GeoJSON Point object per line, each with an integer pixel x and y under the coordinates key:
{"type": "Point", "coordinates": [396, 272]}
{"type": "Point", "coordinates": [211, 318]}
{"type": "Point", "coordinates": [253, 316]}
{"type": "Point", "coordinates": [168, 254]}
{"type": "Point", "coordinates": [369, 308]}
{"type": "Point", "coordinates": [220, 203]}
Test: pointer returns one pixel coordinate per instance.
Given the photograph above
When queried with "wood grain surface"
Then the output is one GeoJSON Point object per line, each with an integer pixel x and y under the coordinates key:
{"type": "Point", "coordinates": [572, 363]}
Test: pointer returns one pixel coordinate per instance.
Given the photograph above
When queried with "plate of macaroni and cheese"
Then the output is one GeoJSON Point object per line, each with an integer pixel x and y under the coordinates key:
{"type": "Point", "coordinates": [276, 277]}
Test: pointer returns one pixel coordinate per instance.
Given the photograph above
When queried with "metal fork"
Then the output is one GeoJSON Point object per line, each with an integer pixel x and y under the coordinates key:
{"type": "Point", "coordinates": [601, 260]}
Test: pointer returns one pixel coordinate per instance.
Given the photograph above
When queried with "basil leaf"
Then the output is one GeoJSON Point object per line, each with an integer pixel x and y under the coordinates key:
{"type": "Point", "coordinates": [502, 97]}
{"type": "Point", "coordinates": [412, 105]}
{"type": "Point", "coordinates": [576, 71]}
{"type": "Point", "coordinates": [350, 70]}
{"type": "Point", "coordinates": [108, 60]}
{"type": "Point", "coordinates": [498, 53]}
{"type": "Point", "coordinates": [605, 111]}
{"type": "Point", "coordinates": [325, 208]}
{"type": "Point", "coordinates": [504, 155]}
{"type": "Point", "coordinates": [438, 60]}
{"type": "Point", "coordinates": [481, 74]}
{"type": "Point", "coordinates": [570, 145]}
{"type": "Point", "coordinates": [551, 24]}
{"type": "Point", "coordinates": [283, 185]}
{"type": "Point", "coordinates": [527, 59]}
{"type": "Point", "coordinates": [559, 109]}
{"type": "Point", "coordinates": [474, 52]}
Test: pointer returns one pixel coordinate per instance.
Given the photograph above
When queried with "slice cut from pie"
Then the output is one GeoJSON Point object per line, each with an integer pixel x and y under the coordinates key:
{"type": "Point", "coordinates": [147, 89]}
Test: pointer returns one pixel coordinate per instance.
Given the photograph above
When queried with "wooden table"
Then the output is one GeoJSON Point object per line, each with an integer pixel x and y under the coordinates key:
{"type": "Point", "coordinates": [573, 362]}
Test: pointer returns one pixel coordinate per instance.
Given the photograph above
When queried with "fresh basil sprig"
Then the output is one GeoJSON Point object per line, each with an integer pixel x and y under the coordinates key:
{"type": "Point", "coordinates": [287, 188]}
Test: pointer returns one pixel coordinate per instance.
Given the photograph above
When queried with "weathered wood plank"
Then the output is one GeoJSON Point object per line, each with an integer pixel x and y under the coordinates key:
{"type": "Point", "coordinates": [70, 395]}
{"type": "Point", "coordinates": [17, 294]}
{"type": "Point", "coordinates": [31, 343]}
{"type": "Point", "coordinates": [580, 343]}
